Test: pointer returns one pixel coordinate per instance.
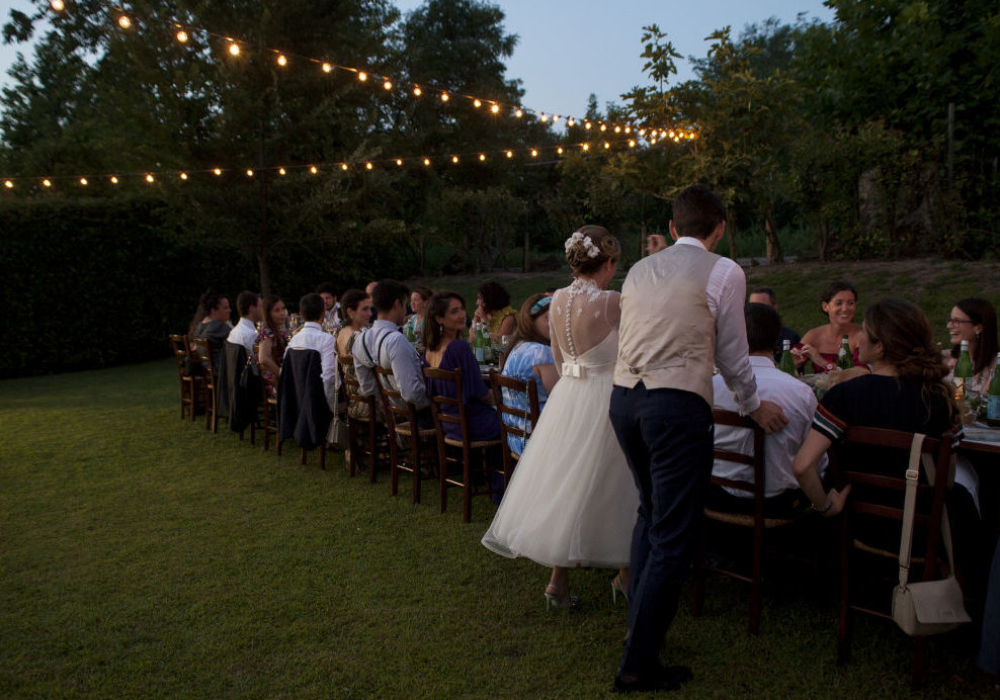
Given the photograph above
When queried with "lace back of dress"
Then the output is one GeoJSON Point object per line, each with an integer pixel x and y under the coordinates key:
{"type": "Point", "coordinates": [582, 316]}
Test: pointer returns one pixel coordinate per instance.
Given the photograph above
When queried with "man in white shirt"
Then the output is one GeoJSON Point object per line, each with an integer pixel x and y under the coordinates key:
{"type": "Point", "coordinates": [312, 337]}
{"type": "Point", "coordinates": [331, 307]}
{"type": "Point", "coordinates": [681, 317]}
{"type": "Point", "coordinates": [782, 495]}
{"type": "Point", "coordinates": [384, 345]}
{"type": "Point", "coordinates": [245, 332]}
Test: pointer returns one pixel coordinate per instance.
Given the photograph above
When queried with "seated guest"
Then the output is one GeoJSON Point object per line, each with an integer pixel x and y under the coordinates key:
{"type": "Point", "coordinates": [444, 349]}
{"type": "Point", "coordinates": [211, 323]}
{"type": "Point", "coordinates": [975, 320]}
{"type": "Point", "coordinates": [906, 391]}
{"type": "Point", "coordinates": [765, 295]}
{"type": "Point", "coordinates": [493, 309]}
{"type": "Point", "coordinates": [782, 496]}
{"type": "Point", "coordinates": [529, 359]}
{"type": "Point", "coordinates": [821, 345]}
{"type": "Point", "coordinates": [245, 332]}
{"type": "Point", "coordinates": [355, 315]}
{"type": "Point", "coordinates": [311, 336]}
{"type": "Point", "coordinates": [331, 308]}
{"type": "Point", "coordinates": [271, 341]}
{"type": "Point", "coordinates": [370, 287]}
{"type": "Point", "coordinates": [418, 303]}
{"type": "Point", "coordinates": [385, 346]}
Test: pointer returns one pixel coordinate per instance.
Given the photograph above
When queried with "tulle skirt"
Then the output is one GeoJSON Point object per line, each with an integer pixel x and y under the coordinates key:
{"type": "Point", "coordinates": [572, 500]}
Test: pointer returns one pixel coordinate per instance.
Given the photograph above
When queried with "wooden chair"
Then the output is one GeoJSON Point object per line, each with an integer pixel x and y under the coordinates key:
{"type": "Point", "coordinates": [362, 433]}
{"type": "Point", "coordinates": [190, 389]}
{"type": "Point", "coordinates": [465, 445]}
{"type": "Point", "coordinates": [202, 351]}
{"type": "Point", "coordinates": [402, 425]}
{"type": "Point", "coordinates": [757, 522]}
{"type": "Point", "coordinates": [498, 383]}
{"type": "Point", "coordinates": [880, 498]}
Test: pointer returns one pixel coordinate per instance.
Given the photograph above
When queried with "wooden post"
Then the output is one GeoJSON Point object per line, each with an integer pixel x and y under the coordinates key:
{"type": "Point", "coordinates": [951, 146]}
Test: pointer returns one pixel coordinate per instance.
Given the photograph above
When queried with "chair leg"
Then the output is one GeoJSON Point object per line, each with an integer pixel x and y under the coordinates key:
{"type": "Point", "coordinates": [466, 486]}
{"type": "Point", "coordinates": [758, 557]}
{"type": "Point", "coordinates": [303, 450]}
{"type": "Point", "coordinates": [844, 623]}
{"type": "Point", "coordinates": [415, 460]}
{"type": "Point", "coordinates": [393, 466]}
{"type": "Point", "coordinates": [322, 456]}
{"type": "Point", "coordinates": [371, 450]}
{"type": "Point", "coordinates": [443, 477]}
{"type": "Point", "coordinates": [277, 445]}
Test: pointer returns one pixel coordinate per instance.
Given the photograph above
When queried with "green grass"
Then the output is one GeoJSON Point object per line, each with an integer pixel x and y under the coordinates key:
{"type": "Point", "coordinates": [143, 557]}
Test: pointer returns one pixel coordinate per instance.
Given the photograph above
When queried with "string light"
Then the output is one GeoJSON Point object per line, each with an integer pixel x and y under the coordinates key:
{"type": "Point", "coordinates": [124, 22]}
{"type": "Point", "coordinates": [184, 176]}
{"type": "Point", "coordinates": [543, 118]}
{"type": "Point", "coordinates": [46, 183]}
{"type": "Point", "coordinates": [495, 108]}
{"type": "Point", "coordinates": [559, 150]}
{"type": "Point", "coordinates": [477, 103]}
{"type": "Point", "coordinates": [249, 172]}
{"type": "Point", "coordinates": [150, 179]}
{"type": "Point", "coordinates": [58, 5]}
{"type": "Point", "coordinates": [399, 161]}
{"type": "Point", "coordinates": [83, 181]}
{"type": "Point", "coordinates": [618, 130]}
{"type": "Point", "coordinates": [217, 171]}
{"type": "Point", "coordinates": [327, 68]}
{"type": "Point", "coordinates": [556, 119]}
{"type": "Point", "coordinates": [368, 166]}
{"type": "Point", "coordinates": [313, 169]}
{"type": "Point", "coordinates": [631, 143]}
{"type": "Point", "coordinates": [362, 76]}
{"type": "Point", "coordinates": [234, 49]}
{"type": "Point", "coordinates": [114, 180]}
{"type": "Point", "coordinates": [387, 85]}
{"type": "Point", "coordinates": [586, 146]}
{"type": "Point", "coordinates": [282, 61]}
{"type": "Point", "coordinates": [454, 159]}
{"type": "Point", "coordinates": [607, 145]}
{"type": "Point", "coordinates": [343, 166]}
{"type": "Point", "coordinates": [427, 161]}
{"type": "Point", "coordinates": [417, 91]}
{"type": "Point", "coordinates": [282, 172]}
{"type": "Point", "coordinates": [519, 113]}
{"type": "Point", "coordinates": [534, 152]}
{"type": "Point", "coordinates": [182, 36]}
{"type": "Point", "coordinates": [8, 184]}
{"type": "Point", "coordinates": [445, 97]}
{"type": "Point", "coordinates": [510, 154]}
{"type": "Point", "coordinates": [482, 156]}
{"type": "Point", "coordinates": [586, 125]}
{"type": "Point", "coordinates": [570, 121]}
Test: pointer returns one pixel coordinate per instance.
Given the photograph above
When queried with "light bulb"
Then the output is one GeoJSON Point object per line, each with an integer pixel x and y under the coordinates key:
{"type": "Point", "coordinates": [249, 172]}
{"type": "Point", "coordinates": [477, 103]}
{"type": "Point", "coordinates": [559, 150]}
{"type": "Point", "coordinates": [124, 22]}
{"type": "Point", "coordinates": [510, 154]}
{"type": "Point", "coordinates": [607, 145]}
{"type": "Point", "coordinates": [417, 91]}
{"type": "Point", "coordinates": [586, 125]}
{"type": "Point", "coordinates": [184, 176]}
{"type": "Point", "coordinates": [234, 49]}
{"type": "Point", "coordinates": [217, 171]}
{"type": "Point", "coordinates": [543, 118]}
{"type": "Point", "coordinates": [182, 36]}
{"type": "Point", "coordinates": [114, 180]}
{"type": "Point", "coordinates": [482, 156]}
{"type": "Point", "coordinates": [427, 161]}
{"type": "Point", "coordinates": [313, 169]}
{"type": "Point", "coordinates": [556, 118]}
{"type": "Point", "coordinates": [454, 159]}
{"type": "Point", "coordinates": [444, 97]}
{"type": "Point", "coordinates": [46, 183]}
{"type": "Point", "coordinates": [362, 76]}
{"type": "Point", "coordinates": [368, 166]}
{"type": "Point", "coordinates": [631, 144]}
{"type": "Point", "coordinates": [282, 61]}
{"type": "Point", "coordinates": [282, 171]}
{"type": "Point", "coordinates": [8, 184]}
{"type": "Point", "coordinates": [495, 109]}
{"type": "Point", "coordinates": [519, 113]}
{"type": "Point", "coordinates": [387, 85]}
{"type": "Point", "coordinates": [570, 121]}
{"type": "Point", "coordinates": [618, 130]}
{"type": "Point", "coordinates": [604, 127]}
{"type": "Point", "coordinates": [343, 166]}
{"type": "Point", "coordinates": [150, 179]}
{"type": "Point", "coordinates": [399, 161]}
{"type": "Point", "coordinates": [534, 152]}
{"type": "Point", "coordinates": [83, 181]}
{"type": "Point", "coordinates": [58, 6]}
{"type": "Point", "coordinates": [586, 146]}
{"type": "Point", "coordinates": [327, 68]}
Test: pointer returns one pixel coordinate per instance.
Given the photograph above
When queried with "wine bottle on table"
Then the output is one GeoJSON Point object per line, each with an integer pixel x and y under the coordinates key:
{"type": "Point", "coordinates": [787, 364]}
{"type": "Point", "coordinates": [963, 369]}
{"type": "Point", "coordinates": [993, 398]}
{"type": "Point", "coordinates": [844, 357]}
{"type": "Point", "coordinates": [477, 345]}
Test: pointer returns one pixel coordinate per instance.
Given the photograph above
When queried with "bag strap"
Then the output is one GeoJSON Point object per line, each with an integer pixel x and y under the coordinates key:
{"type": "Point", "coordinates": [928, 463]}
{"type": "Point", "coordinates": [912, 476]}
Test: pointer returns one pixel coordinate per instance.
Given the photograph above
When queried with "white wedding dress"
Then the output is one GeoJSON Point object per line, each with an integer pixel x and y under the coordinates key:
{"type": "Point", "coordinates": [572, 500]}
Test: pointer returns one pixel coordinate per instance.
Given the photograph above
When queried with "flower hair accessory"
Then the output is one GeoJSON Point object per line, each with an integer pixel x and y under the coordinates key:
{"type": "Point", "coordinates": [585, 242]}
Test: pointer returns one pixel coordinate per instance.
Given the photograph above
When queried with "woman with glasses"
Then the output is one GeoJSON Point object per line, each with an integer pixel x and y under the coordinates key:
{"type": "Point", "coordinates": [975, 320]}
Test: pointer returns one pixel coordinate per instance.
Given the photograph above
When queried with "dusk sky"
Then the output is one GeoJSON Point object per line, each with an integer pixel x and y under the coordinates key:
{"type": "Point", "coordinates": [568, 49]}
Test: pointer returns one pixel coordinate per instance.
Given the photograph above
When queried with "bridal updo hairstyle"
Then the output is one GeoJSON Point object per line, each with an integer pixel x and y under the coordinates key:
{"type": "Point", "coordinates": [586, 257]}
{"type": "Point", "coordinates": [908, 345]}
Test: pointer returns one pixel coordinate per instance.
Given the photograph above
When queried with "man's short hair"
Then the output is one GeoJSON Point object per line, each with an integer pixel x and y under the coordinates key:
{"type": "Point", "coordinates": [327, 288]}
{"type": "Point", "coordinates": [387, 293]}
{"type": "Point", "coordinates": [697, 211]}
{"type": "Point", "coordinates": [245, 301]}
{"type": "Point", "coordinates": [763, 327]}
{"type": "Point", "coordinates": [311, 307]}
{"type": "Point", "coordinates": [764, 290]}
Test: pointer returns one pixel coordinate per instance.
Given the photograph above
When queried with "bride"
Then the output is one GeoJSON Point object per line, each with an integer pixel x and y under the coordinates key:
{"type": "Point", "coordinates": [572, 500]}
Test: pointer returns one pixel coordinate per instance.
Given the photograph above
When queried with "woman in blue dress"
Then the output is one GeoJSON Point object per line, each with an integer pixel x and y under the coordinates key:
{"type": "Point", "coordinates": [529, 359]}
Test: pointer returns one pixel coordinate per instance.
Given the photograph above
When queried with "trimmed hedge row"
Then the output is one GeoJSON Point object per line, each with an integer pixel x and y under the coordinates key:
{"type": "Point", "coordinates": [100, 282]}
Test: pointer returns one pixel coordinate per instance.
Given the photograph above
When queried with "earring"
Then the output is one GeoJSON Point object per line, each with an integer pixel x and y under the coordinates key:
{"type": "Point", "coordinates": [441, 329]}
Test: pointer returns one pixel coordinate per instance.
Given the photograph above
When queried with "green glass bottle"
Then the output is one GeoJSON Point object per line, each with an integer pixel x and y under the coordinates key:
{"type": "Point", "coordinates": [844, 358]}
{"type": "Point", "coordinates": [808, 368]}
{"type": "Point", "coordinates": [787, 364]}
{"type": "Point", "coordinates": [410, 336]}
{"type": "Point", "coordinates": [477, 344]}
{"type": "Point", "coordinates": [993, 398]}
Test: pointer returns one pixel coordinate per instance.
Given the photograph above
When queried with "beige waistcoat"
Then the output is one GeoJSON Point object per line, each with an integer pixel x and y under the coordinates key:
{"type": "Point", "coordinates": [667, 337]}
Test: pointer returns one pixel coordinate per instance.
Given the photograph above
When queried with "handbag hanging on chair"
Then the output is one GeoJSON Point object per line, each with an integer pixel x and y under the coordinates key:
{"type": "Point", "coordinates": [927, 607]}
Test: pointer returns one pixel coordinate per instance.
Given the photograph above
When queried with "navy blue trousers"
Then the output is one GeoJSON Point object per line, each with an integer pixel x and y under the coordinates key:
{"type": "Point", "coordinates": [667, 437]}
{"type": "Point", "coordinates": [989, 651]}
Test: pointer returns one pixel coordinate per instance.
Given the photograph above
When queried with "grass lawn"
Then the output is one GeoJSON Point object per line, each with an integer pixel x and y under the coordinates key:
{"type": "Point", "coordinates": [143, 557]}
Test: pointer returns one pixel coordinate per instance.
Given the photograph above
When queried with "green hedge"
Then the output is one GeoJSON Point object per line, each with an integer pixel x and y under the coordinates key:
{"type": "Point", "coordinates": [100, 282]}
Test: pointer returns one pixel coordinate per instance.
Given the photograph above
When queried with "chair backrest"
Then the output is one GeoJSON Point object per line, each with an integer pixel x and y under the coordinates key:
{"type": "Point", "coordinates": [440, 401]}
{"type": "Point", "coordinates": [202, 351]}
{"type": "Point", "coordinates": [756, 460]}
{"type": "Point", "coordinates": [352, 387]}
{"type": "Point", "coordinates": [878, 492]}
{"type": "Point", "coordinates": [395, 408]}
{"type": "Point", "coordinates": [182, 351]}
{"type": "Point", "coordinates": [498, 383]}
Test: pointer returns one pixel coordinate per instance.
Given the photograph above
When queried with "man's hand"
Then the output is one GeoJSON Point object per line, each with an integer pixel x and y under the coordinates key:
{"type": "Point", "coordinates": [837, 501]}
{"type": "Point", "coordinates": [770, 417]}
{"type": "Point", "coordinates": [655, 243]}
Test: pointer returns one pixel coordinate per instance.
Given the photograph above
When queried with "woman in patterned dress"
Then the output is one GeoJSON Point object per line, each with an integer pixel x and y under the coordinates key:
{"type": "Point", "coordinates": [271, 341]}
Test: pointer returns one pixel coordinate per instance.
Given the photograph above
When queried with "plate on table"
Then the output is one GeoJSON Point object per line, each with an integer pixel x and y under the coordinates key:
{"type": "Point", "coordinates": [981, 433]}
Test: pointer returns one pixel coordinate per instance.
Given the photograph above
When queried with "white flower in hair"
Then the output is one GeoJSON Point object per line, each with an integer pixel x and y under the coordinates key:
{"type": "Point", "coordinates": [592, 250]}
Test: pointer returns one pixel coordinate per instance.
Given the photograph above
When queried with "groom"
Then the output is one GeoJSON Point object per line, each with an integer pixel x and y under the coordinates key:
{"type": "Point", "coordinates": [682, 315]}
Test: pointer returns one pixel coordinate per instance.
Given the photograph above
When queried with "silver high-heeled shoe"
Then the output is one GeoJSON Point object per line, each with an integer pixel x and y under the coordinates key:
{"type": "Point", "coordinates": [616, 588]}
{"type": "Point", "coordinates": [564, 601]}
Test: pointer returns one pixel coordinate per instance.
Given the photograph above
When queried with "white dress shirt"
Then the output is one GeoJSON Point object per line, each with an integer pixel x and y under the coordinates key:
{"type": "Point", "coordinates": [385, 345]}
{"type": "Point", "coordinates": [726, 292]}
{"type": "Point", "coordinates": [312, 337]}
{"type": "Point", "coordinates": [798, 403]}
{"type": "Point", "coordinates": [244, 333]}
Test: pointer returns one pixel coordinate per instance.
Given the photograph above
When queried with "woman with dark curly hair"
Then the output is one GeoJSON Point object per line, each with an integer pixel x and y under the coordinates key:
{"type": "Point", "coordinates": [493, 308]}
